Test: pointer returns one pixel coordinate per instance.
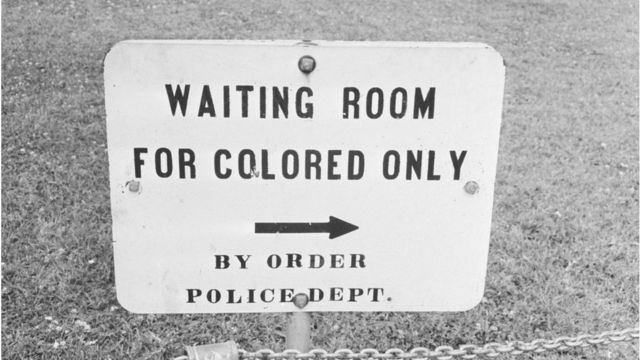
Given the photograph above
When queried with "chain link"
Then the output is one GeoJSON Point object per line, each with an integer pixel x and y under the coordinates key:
{"type": "Point", "coordinates": [489, 350]}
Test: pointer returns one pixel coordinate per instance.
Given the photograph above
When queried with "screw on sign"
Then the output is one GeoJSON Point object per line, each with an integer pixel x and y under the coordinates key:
{"type": "Point", "coordinates": [471, 187]}
{"type": "Point", "coordinates": [307, 64]}
{"type": "Point", "coordinates": [133, 186]}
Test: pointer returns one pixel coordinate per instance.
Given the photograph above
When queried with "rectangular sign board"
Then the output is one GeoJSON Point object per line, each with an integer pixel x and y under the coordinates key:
{"type": "Point", "coordinates": [359, 174]}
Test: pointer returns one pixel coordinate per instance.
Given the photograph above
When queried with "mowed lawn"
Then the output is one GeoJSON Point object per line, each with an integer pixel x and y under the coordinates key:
{"type": "Point", "coordinates": [564, 248]}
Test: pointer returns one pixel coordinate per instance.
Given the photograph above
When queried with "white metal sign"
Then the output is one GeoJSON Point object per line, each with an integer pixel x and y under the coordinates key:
{"type": "Point", "coordinates": [358, 174]}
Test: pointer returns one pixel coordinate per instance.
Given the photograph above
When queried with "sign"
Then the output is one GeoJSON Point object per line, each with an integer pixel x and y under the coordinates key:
{"type": "Point", "coordinates": [243, 173]}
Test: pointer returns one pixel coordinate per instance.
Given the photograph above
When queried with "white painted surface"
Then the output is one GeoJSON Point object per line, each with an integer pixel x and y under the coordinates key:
{"type": "Point", "coordinates": [425, 242]}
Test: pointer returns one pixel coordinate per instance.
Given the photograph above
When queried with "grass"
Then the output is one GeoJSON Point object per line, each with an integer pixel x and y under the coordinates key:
{"type": "Point", "coordinates": [564, 248]}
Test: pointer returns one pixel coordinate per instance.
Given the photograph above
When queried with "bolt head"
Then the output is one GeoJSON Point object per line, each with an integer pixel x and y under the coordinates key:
{"type": "Point", "coordinates": [134, 186]}
{"type": "Point", "coordinates": [306, 64]}
{"type": "Point", "coordinates": [471, 187]}
{"type": "Point", "coordinates": [300, 300]}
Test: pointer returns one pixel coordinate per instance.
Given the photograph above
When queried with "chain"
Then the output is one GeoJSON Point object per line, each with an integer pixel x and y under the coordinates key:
{"type": "Point", "coordinates": [489, 350]}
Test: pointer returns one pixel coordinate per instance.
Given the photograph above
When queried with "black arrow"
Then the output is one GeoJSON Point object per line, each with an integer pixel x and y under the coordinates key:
{"type": "Point", "coordinates": [335, 227]}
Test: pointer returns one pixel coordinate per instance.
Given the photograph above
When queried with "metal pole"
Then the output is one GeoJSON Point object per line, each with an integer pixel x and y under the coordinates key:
{"type": "Point", "coordinates": [299, 326]}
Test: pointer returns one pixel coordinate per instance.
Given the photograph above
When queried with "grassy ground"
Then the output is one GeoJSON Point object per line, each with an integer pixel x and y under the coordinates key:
{"type": "Point", "coordinates": [564, 248]}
